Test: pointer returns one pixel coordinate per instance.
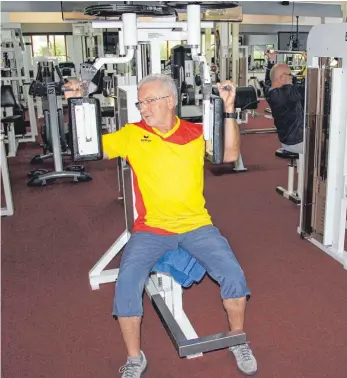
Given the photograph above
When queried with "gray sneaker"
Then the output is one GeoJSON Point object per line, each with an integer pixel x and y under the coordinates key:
{"type": "Point", "coordinates": [134, 369]}
{"type": "Point", "coordinates": [245, 360]}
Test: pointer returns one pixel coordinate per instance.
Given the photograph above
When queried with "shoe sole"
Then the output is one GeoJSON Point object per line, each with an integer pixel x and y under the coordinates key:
{"type": "Point", "coordinates": [145, 369]}
{"type": "Point", "coordinates": [248, 374]}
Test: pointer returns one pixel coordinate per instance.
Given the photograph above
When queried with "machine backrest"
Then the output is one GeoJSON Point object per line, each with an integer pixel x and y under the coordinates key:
{"type": "Point", "coordinates": [67, 68]}
{"type": "Point", "coordinates": [8, 99]}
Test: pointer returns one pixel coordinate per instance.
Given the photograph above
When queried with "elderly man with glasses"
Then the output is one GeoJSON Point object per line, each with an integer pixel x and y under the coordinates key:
{"type": "Point", "coordinates": [166, 155]}
{"type": "Point", "coordinates": [287, 106]}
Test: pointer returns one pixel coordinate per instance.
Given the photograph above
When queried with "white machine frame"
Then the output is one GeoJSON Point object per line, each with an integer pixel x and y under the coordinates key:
{"type": "Point", "coordinates": [19, 56]}
{"type": "Point", "coordinates": [162, 289]}
{"type": "Point", "coordinates": [330, 40]}
{"type": "Point", "coordinates": [156, 32]}
{"type": "Point", "coordinates": [8, 209]}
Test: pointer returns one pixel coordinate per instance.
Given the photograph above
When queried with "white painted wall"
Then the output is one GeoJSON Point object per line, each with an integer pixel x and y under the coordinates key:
{"type": "Point", "coordinates": [46, 28]}
{"type": "Point", "coordinates": [74, 50]}
{"type": "Point", "coordinates": [4, 17]}
{"type": "Point", "coordinates": [261, 39]}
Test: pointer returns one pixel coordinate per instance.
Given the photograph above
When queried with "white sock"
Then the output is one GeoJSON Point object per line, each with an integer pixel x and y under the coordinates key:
{"type": "Point", "coordinates": [136, 359]}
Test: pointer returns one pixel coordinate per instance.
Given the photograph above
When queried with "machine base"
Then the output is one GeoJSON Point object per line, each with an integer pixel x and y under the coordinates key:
{"type": "Point", "coordinates": [42, 178]}
{"type": "Point", "coordinates": [293, 197]}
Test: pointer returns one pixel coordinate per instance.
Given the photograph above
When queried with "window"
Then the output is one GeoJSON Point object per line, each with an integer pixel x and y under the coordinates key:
{"type": "Point", "coordinates": [212, 43]}
{"type": "Point", "coordinates": [258, 55]}
{"type": "Point", "coordinates": [59, 47]}
{"type": "Point", "coordinates": [163, 51]}
{"type": "Point", "coordinates": [49, 45]}
{"type": "Point", "coordinates": [39, 45]}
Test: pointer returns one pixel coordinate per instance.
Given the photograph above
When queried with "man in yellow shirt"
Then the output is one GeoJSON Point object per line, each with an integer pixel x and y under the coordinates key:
{"type": "Point", "coordinates": [166, 155]}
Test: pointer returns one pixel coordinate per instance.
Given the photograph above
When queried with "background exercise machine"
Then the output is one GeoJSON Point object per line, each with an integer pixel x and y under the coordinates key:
{"type": "Point", "coordinates": [54, 126]}
{"type": "Point", "coordinates": [47, 73]}
{"type": "Point", "coordinates": [324, 197]}
{"type": "Point", "coordinates": [16, 73]}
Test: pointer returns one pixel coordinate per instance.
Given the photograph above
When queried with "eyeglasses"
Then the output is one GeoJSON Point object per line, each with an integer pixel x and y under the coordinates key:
{"type": "Point", "coordinates": [149, 101]}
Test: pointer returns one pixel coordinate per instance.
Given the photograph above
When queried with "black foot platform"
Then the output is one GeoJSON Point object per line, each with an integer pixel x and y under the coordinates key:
{"type": "Point", "coordinates": [42, 177]}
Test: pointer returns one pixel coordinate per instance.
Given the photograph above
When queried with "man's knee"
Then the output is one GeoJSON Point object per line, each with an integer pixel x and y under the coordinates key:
{"type": "Point", "coordinates": [234, 286]}
{"type": "Point", "coordinates": [226, 270]}
{"type": "Point", "coordinates": [230, 276]}
{"type": "Point", "coordinates": [129, 290]}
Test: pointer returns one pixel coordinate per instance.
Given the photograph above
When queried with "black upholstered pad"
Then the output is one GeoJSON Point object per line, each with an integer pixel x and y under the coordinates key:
{"type": "Point", "coordinates": [281, 153]}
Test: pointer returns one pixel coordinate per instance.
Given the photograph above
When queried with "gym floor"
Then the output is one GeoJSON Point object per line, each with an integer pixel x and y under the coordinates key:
{"type": "Point", "coordinates": [54, 325]}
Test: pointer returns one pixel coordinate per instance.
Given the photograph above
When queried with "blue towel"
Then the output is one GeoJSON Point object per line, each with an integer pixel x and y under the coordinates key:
{"type": "Point", "coordinates": [183, 268]}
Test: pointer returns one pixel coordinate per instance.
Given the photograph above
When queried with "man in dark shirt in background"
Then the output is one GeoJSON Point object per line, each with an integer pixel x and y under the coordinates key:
{"type": "Point", "coordinates": [287, 106]}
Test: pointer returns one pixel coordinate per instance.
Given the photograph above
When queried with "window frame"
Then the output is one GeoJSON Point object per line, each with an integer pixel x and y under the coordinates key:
{"type": "Point", "coordinates": [48, 35]}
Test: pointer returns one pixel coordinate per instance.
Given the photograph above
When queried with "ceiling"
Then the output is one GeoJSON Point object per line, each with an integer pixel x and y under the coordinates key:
{"type": "Point", "coordinates": [308, 9]}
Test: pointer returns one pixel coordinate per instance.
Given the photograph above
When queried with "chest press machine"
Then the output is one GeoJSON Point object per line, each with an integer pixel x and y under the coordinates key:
{"type": "Point", "coordinates": [164, 292]}
{"type": "Point", "coordinates": [324, 175]}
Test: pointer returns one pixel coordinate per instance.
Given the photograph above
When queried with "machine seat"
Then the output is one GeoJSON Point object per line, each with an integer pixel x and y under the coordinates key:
{"type": "Point", "coordinates": [11, 118]}
{"type": "Point", "coordinates": [281, 153]}
{"type": "Point", "coordinates": [17, 120]}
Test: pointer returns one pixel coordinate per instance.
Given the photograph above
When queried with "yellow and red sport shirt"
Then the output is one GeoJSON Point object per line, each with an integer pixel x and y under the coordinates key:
{"type": "Point", "coordinates": [168, 175]}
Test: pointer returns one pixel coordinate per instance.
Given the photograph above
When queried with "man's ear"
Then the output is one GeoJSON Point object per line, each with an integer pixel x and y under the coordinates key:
{"type": "Point", "coordinates": [171, 102]}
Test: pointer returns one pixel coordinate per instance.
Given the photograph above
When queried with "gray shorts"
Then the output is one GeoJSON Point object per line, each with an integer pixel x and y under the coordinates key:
{"type": "Point", "coordinates": [144, 250]}
{"type": "Point", "coordinates": [295, 148]}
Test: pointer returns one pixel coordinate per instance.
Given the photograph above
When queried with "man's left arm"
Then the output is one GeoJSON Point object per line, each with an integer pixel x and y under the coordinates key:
{"type": "Point", "coordinates": [231, 128]}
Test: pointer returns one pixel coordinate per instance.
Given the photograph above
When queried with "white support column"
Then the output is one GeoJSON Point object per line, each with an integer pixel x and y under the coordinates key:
{"type": "Point", "coordinates": [224, 51]}
{"type": "Point", "coordinates": [155, 57]}
{"type": "Point", "coordinates": [32, 114]}
{"type": "Point", "coordinates": [177, 295]}
{"type": "Point", "coordinates": [139, 63]}
{"type": "Point", "coordinates": [235, 53]}
{"type": "Point", "coordinates": [8, 210]}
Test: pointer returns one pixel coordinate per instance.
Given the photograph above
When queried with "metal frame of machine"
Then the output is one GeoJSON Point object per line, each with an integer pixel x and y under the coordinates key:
{"type": "Point", "coordinates": [11, 34]}
{"type": "Point", "coordinates": [8, 209]}
{"type": "Point", "coordinates": [155, 32]}
{"type": "Point", "coordinates": [295, 161]}
{"type": "Point", "coordinates": [165, 293]}
{"type": "Point", "coordinates": [324, 197]}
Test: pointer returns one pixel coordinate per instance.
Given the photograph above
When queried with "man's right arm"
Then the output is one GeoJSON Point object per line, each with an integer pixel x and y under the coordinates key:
{"type": "Point", "coordinates": [293, 94]}
{"type": "Point", "coordinates": [116, 144]}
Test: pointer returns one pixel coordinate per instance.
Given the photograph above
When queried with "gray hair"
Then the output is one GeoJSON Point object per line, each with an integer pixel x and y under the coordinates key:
{"type": "Point", "coordinates": [165, 80]}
